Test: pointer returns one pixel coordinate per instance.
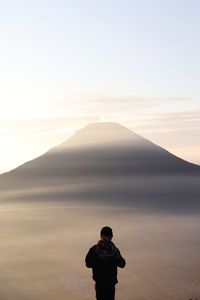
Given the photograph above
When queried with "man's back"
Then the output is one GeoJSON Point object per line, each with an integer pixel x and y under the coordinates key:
{"type": "Point", "coordinates": [104, 258]}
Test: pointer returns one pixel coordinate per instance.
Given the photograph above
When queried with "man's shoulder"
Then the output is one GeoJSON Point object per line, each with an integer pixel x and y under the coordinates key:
{"type": "Point", "coordinates": [93, 248]}
{"type": "Point", "coordinates": [113, 245]}
{"type": "Point", "coordinates": [92, 251]}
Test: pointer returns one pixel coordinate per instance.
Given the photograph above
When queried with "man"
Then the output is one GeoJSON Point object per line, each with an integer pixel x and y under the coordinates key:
{"type": "Point", "coordinates": [104, 258]}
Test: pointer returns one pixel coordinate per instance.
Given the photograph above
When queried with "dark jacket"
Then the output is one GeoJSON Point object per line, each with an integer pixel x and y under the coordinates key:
{"type": "Point", "coordinates": [104, 258]}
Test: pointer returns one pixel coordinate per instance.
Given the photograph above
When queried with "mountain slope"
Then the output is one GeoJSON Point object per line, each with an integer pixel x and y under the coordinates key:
{"type": "Point", "coordinates": [105, 160]}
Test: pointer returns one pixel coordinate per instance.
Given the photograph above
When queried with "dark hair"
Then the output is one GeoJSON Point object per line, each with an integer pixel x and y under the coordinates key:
{"type": "Point", "coordinates": [107, 231]}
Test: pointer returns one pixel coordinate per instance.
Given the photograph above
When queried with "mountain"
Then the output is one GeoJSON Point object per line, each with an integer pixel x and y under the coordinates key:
{"type": "Point", "coordinates": [105, 161]}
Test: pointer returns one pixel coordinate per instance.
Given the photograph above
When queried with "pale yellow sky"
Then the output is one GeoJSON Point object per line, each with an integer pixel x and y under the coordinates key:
{"type": "Point", "coordinates": [65, 64]}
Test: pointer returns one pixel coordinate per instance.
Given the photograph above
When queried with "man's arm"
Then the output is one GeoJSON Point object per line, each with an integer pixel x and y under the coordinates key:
{"type": "Point", "coordinates": [90, 259]}
{"type": "Point", "coordinates": [120, 260]}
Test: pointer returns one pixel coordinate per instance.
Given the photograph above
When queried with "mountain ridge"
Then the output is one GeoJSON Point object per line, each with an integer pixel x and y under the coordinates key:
{"type": "Point", "coordinates": [106, 162]}
{"type": "Point", "coordinates": [69, 143]}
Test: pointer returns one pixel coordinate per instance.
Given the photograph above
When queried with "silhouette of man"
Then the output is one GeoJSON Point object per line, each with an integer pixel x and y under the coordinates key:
{"type": "Point", "coordinates": [104, 258]}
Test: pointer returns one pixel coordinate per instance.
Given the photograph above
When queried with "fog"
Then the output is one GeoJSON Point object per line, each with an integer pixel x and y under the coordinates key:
{"type": "Point", "coordinates": [44, 243]}
{"type": "Point", "coordinates": [164, 193]}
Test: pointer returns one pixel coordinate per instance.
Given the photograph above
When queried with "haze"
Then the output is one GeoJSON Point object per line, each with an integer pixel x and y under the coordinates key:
{"type": "Point", "coordinates": [43, 247]}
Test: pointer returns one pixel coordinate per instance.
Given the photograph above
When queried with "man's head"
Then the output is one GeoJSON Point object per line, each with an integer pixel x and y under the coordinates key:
{"type": "Point", "coordinates": [106, 233]}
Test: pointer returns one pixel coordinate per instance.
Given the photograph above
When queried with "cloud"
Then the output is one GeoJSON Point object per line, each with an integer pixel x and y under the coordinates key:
{"type": "Point", "coordinates": [77, 110]}
{"type": "Point", "coordinates": [111, 105]}
{"type": "Point", "coordinates": [44, 126]}
{"type": "Point", "coordinates": [176, 121]}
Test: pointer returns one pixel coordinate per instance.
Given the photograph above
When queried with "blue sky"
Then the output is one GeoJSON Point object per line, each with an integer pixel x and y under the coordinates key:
{"type": "Point", "coordinates": [73, 62]}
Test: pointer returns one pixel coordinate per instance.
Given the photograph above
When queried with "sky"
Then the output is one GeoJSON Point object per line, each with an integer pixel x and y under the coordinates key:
{"type": "Point", "coordinates": [64, 64]}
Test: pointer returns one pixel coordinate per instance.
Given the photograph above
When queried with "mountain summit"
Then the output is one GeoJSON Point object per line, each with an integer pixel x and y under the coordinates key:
{"type": "Point", "coordinates": [101, 133]}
